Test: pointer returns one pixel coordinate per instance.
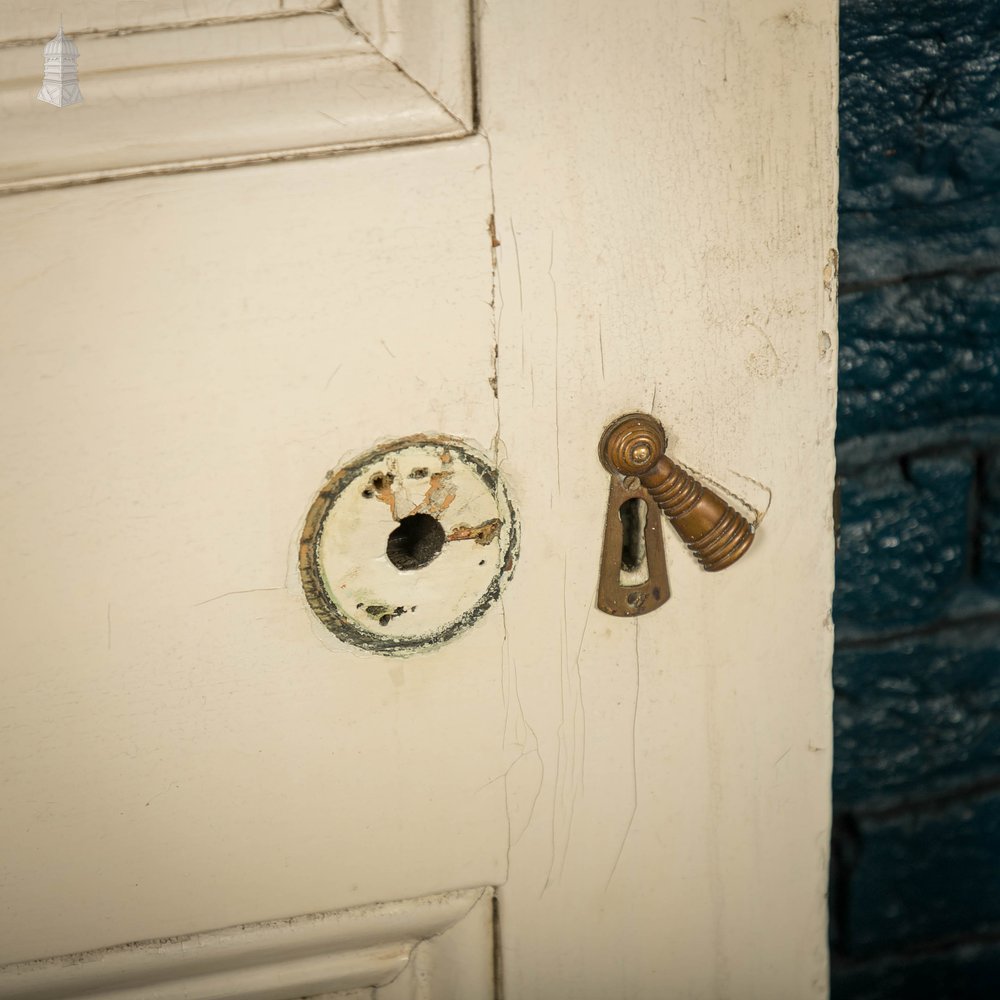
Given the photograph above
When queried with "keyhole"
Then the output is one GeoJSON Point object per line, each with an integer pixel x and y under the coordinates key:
{"type": "Point", "coordinates": [633, 564]}
{"type": "Point", "coordinates": [415, 542]}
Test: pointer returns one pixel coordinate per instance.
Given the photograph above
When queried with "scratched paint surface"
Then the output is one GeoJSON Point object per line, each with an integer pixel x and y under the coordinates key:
{"type": "Point", "coordinates": [360, 593]}
{"type": "Point", "coordinates": [664, 192]}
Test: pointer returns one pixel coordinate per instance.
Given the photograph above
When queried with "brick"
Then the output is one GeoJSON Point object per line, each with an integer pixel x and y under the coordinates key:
{"type": "Point", "coordinates": [919, 354]}
{"type": "Point", "coordinates": [903, 541]}
{"type": "Point", "coordinates": [962, 972]}
{"type": "Point", "coordinates": [924, 876]}
{"type": "Point", "coordinates": [920, 84]}
{"type": "Point", "coordinates": [886, 245]}
{"type": "Point", "coordinates": [920, 360]}
{"type": "Point", "coordinates": [989, 524]}
{"type": "Point", "coordinates": [916, 716]}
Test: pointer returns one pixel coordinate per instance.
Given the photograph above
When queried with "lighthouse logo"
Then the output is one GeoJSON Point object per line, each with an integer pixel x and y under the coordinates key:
{"type": "Point", "coordinates": [60, 85]}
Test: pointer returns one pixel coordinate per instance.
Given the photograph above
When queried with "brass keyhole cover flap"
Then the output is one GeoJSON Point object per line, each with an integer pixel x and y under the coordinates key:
{"type": "Point", "coordinates": [408, 545]}
{"type": "Point", "coordinates": [633, 578]}
{"type": "Point", "coordinates": [631, 444]}
{"type": "Point", "coordinates": [718, 535]}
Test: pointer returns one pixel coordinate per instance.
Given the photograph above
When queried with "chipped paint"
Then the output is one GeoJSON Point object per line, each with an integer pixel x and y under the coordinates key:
{"type": "Point", "coordinates": [382, 613]}
{"type": "Point", "coordinates": [440, 495]}
{"type": "Point", "coordinates": [358, 586]}
{"type": "Point", "coordinates": [380, 486]}
{"type": "Point", "coordinates": [481, 534]}
{"type": "Point", "coordinates": [830, 272]}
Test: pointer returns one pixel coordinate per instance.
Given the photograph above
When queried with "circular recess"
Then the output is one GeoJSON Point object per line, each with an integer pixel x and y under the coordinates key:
{"type": "Point", "coordinates": [408, 545]}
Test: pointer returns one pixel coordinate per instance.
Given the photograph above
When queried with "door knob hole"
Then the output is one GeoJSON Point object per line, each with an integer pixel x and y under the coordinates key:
{"type": "Point", "coordinates": [416, 542]}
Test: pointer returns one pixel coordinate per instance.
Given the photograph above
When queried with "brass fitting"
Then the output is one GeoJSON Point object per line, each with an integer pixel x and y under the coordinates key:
{"type": "Point", "coordinates": [635, 445]}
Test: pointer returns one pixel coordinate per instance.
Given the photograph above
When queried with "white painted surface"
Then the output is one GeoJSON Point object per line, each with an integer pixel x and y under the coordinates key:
{"type": "Point", "coordinates": [428, 40]}
{"type": "Point", "coordinates": [209, 94]}
{"type": "Point", "coordinates": [438, 946]}
{"type": "Point", "coordinates": [25, 21]}
{"type": "Point", "coordinates": [665, 190]}
{"type": "Point", "coordinates": [185, 357]}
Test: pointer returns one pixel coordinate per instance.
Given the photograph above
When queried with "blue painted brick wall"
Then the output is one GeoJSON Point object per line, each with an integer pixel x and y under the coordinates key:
{"type": "Point", "coordinates": [919, 352]}
{"type": "Point", "coordinates": [961, 970]}
{"type": "Point", "coordinates": [987, 525]}
{"type": "Point", "coordinates": [917, 716]}
{"type": "Point", "coordinates": [919, 869]}
{"type": "Point", "coordinates": [915, 879]}
{"type": "Point", "coordinates": [904, 540]}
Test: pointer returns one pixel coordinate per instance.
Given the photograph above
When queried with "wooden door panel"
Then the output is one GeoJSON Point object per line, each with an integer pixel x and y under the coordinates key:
{"type": "Point", "coordinates": [186, 357]}
{"type": "Point", "coordinates": [171, 87]}
{"type": "Point", "coordinates": [646, 222]}
{"type": "Point", "coordinates": [438, 947]}
{"type": "Point", "coordinates": [665, 189]}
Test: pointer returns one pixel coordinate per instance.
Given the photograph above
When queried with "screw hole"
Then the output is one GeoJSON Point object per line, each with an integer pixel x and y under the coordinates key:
{"type": "Point", "coordinates": [415, 542]}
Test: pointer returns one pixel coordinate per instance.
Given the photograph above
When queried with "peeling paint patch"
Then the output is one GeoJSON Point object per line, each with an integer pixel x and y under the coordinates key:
{"type": "Point", "coordinates": [830, 272]}
{"type": "Point", "coordinates": [825, 343]}
{"type": "Point", "coordinates": [375, 558]}
{"type": "Point", "coordinates": [439, 496]}
{"type": "Point", "coordinates": [380, 486]}
{"type": "Point", "coordinates": [481, 534]}
{"type": "Point", "coordinates": [382, 613]}
{"type": "Point", "coordinates": [494, 379]}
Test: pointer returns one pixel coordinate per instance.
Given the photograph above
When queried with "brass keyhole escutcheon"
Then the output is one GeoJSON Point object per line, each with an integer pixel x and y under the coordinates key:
{"type": "Point", "coordinates": [633, 450]}
{"type": "Point", "coordinates": [633, 578]}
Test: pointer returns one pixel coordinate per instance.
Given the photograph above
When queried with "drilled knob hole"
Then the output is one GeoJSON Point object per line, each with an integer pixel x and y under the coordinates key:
{"type": "Point", "coordinates": [415, 542]}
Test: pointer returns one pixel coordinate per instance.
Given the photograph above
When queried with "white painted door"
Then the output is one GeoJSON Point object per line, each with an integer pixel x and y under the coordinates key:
{"type": "Point", "coordinates": [275, 237]}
